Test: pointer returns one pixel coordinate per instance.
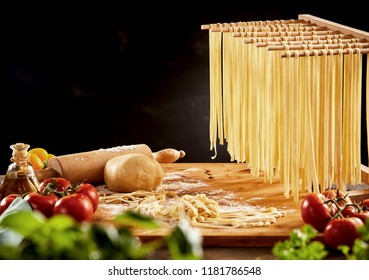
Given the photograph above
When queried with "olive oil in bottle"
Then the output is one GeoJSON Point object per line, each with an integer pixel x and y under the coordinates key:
{"type": "Point", "coordinates": [20, 177]}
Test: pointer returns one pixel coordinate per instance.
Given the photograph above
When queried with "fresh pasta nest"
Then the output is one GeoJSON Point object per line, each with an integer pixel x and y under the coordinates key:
{"type": "Point", "coordinates": [132, 172]}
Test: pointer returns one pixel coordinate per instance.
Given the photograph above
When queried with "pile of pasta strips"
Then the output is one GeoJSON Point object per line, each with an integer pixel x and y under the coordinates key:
{"type": "Point", "coordinates": [201, 210]}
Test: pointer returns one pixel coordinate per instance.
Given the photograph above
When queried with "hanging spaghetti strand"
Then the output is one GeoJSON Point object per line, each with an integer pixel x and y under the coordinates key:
{"type": "Point", "coordinates": [216, 122]}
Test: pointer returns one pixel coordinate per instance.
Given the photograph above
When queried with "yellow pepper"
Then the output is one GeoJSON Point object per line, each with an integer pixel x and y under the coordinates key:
{"type": "Point", "coordinates": [38, 158]}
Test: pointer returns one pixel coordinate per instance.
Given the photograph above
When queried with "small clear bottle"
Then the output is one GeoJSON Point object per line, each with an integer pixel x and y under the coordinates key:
{"type": "Point", "coordinates": [20, 177]}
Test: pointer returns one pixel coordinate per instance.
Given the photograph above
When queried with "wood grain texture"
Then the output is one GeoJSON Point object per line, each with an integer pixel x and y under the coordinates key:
{"type": "Point", "coordinates": [335, 26]}
{"type": "Point", "coordinates": [235, 182]}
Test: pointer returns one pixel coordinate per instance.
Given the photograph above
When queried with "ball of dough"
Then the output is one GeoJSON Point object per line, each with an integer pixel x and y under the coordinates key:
{"type": "Point", "coordinates": [132, 172]}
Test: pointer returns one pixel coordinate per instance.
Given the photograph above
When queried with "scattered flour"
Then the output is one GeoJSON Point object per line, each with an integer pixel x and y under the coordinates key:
{"type": "Point", "coordinates": [182, 183]}
{"type": "Point", "coordinates": [119, 149]}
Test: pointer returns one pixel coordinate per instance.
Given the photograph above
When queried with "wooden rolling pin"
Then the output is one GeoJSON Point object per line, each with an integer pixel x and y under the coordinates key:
{"type": "Point", "coordinates": [89, 166]}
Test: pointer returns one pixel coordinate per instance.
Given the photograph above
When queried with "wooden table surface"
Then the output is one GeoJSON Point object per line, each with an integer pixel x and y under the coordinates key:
{"type": "Point", "coordinates": [232, 186]}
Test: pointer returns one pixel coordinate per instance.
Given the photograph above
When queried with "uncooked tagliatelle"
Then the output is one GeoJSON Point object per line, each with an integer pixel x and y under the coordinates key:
{"type": "Point", "coordinates": [200, 209]}
{"type": "Point", "coordinates": [295, 117]}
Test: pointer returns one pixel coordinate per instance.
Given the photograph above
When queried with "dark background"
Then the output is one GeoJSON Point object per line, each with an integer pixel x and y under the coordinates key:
{"type": "Point", "coordinates": [82, 77]}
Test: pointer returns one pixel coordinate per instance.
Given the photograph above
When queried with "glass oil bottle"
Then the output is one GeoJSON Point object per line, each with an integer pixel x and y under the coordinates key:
{"type": "Point", "coordinates": [20, 177]}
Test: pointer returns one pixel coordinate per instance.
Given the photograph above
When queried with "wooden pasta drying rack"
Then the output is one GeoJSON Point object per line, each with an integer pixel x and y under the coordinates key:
{"type": "Point", "coordinates": [321, 26]}
{"type": "Point", "coordinates": [322, 32]}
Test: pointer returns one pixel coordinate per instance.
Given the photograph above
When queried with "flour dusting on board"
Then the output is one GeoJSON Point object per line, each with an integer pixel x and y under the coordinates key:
{"type": "Point", "coordinates": [207, 206]}
{"type": "Point", "coordinates": [118, 149]}
{"type": "Point", "coordinates": [181, 183]}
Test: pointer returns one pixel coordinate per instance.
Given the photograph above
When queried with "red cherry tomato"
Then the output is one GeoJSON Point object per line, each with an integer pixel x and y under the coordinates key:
{"type": "Point", "coordinates": [57, 184]}
{"type": "Point", "coordinates": [364, 203]}
{"type": "Point", "coordinates": [359, 210]}
{"type": "Point", "coordinates": [342, 231]}
{"type": "Point", "coordinates": [43, 203]}
{"type": "Point", "coordinates": [363, 215]}
{"type": "Point", "coordinates": [316, 212]}
{"type": "Point", "coordinates": [89, 190]}
{"type": "Point", "coordinates": [76, 205]}
{"type": "Point", "coordinates": [7, 200]}
{"type": "Point", "coordinates": [331, 194]}
{"type": "Point", "coordinates": [340, 197]}
{"type": "Point", "coordinates": [348, 210]}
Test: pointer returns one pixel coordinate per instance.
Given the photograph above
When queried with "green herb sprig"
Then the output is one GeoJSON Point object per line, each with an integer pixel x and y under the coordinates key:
{"type": "Point", "coordinates": [300, 246]}
{"type": "Point", "coordinates": [61, 238]}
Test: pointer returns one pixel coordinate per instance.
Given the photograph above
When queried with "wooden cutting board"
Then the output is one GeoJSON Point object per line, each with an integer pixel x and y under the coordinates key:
{"type": "Point", "coordinates": [232, 185]}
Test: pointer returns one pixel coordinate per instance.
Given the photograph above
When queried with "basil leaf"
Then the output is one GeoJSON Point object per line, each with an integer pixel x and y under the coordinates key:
{"type": "Point", "coordinates": [9, 237]}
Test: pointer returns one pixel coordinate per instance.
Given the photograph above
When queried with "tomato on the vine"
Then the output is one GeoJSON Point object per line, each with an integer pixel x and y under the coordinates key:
{"type": "Point", "coordinates": [362, 215]}
{"type": "Point", "coordinates": [348, 210]}
{"type": "Point", "coordinates": [335, 215]}
{"type": "Point", "coordinates": [316, 211]}
{"type": "Point", "coordinates": [43, 203]}
{"type": "Point", "coordinates": [342, 231]}
{"type": "Point", "coordinates": [340, 197]}
{"type": "Point", "coordinates": [89, 190]}
{"type": "Point", "coordinates": [359, 210]}
{"type": "Point", "coordinates": [364, 203]}
{"type": "Point", "coordinates": [76, 205]}
{"type": "Point", "coordinates": [7, 200]}
{"type": "Point", "coordinates": [58, 184]}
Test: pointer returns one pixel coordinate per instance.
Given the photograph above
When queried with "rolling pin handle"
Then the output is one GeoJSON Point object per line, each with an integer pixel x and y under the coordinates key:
{"type": "Point", "coordinates": [168, 155]}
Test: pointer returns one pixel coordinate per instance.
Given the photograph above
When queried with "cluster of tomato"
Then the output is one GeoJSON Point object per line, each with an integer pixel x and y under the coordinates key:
{"type": "Point", "coordinates": [58, 196]}
{"type": "Point", "coordinates": [335, 215]}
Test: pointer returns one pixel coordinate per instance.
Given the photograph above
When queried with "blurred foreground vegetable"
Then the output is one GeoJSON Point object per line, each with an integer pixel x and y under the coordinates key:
{"type": "Point", "coordinates": [27, 234]}
{"type": "Point", "coordinates": [302, 246]}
